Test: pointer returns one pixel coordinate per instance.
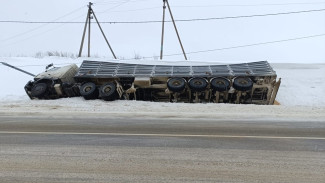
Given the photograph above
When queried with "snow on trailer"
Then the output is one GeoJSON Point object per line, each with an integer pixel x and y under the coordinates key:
{"type": "Point", "coordinates": [247, 83]}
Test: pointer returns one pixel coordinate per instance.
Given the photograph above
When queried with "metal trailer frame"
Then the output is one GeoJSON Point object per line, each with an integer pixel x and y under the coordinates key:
{"type": "Point", "coordinates": [97, 69]}
{"type": "Point", "coordinates": [138, 79]}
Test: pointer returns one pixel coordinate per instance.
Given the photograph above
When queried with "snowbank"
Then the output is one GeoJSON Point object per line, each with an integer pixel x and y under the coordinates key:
{"type": "Point", "coordinates": [140, 109]}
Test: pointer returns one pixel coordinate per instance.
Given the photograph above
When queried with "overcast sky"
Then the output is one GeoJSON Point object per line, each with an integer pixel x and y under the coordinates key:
{"type": "Point", "coordinates": [144, 39]}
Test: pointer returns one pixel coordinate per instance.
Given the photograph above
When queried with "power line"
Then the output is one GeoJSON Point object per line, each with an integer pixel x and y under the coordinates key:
{"type": "Point", "coordinates": [220, 5]}
{"type": "Point", "coordinates": [242, 46]}
{"type": "Point", "coordinates": [251, 16]}
{"type": "Point", "coordinates": [248, 5]}
{"type": "Point", "coordinates": [36, 28]}
{"type": "Point", "coordinates": [40, 33]}
{"type": "Point", "coordinates": [214, 5]}
{"type": "Point", "coordinates": [159, 21]}
{"type": "Point", "coordinates": [120, 4]}
{"type": "Point", "coordinates": [133, 10]}
{"type": "Point", "coordinates": [41, 65]}
{"type": "Point", "coordinates": [248, 45]}
{"type": "Point", "coordinates": [229, 48]}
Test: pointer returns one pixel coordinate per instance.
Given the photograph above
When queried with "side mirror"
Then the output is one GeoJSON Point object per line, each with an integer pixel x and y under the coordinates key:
{"type": "Point", "coordinates": [48, 66]}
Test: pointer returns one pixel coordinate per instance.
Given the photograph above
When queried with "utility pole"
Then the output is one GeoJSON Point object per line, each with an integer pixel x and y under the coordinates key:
{"type": "Point", "coordinates": [88, 22]}
{"type": "Point", "coordinates": [84, 33]}
{"type": "Point", "coordinates": [163, 30]}
{"type": "Point", "coordinates": [89, 26]}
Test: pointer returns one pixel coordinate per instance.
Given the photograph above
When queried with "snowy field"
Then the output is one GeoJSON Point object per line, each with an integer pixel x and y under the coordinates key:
{"type": "Point", "coordinates": [301, 96]}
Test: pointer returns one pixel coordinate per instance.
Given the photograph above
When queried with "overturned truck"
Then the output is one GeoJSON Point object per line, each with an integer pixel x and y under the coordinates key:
{"type": "Point", "coordinates": [248, 83]}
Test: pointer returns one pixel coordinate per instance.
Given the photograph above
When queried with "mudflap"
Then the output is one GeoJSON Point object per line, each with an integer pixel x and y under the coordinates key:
{"type": "Point", "coordinates": [71, 90]}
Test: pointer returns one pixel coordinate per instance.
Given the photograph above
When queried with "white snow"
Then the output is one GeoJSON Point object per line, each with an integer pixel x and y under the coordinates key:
{"type": "Point", "coordinates": [141, 109]}
{"type": "Point", "coordinates": [301, 95]}
{"type": "Point", "coordinates": [302, 84]}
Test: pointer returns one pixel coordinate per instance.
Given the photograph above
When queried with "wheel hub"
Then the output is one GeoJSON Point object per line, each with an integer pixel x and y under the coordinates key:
{"type": "Point", "coordinates": [39, 88]}
{"type": "Point", "coordinates": [87, 89]}
{"type": "Point", "coordinates": [176, 83]}
{"type": "Point", "coordinates": [107, 89]}
{"type": "Point", "coordinates": [243, 82]}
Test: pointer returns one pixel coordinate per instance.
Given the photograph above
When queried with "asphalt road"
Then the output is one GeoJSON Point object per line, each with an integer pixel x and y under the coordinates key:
{"type": "Point", "coordinates": [99, 148]}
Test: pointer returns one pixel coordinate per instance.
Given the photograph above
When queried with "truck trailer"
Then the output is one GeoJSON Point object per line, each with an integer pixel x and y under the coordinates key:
{"type": "Point", "coordinates": [245, 83]}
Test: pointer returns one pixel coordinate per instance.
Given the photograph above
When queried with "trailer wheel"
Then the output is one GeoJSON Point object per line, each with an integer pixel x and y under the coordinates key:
{"type": "Point", "coordinates": [39, 90]}
{"type": "Point", "coordinates": [220, 84]}
{"type": "Point", "coordinates": [89, 91]}
{"type": "Point", "coordinates": [176, 84]}
{"type": "Point", "coordinates": [243, 83]}
{"type": "Point", "coordinates": [108, 91]}
{"type": "Point", "coordinates": [198, 84]}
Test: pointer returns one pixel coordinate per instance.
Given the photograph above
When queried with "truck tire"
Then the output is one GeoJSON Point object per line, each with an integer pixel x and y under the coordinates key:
{"type": "Point", "coordinates": [89, 91]}
{"type": "Point", "coordinates": [198, 84]}
{"type": "Point", "coordinates": [176, 84]}
{"type": "Point", "coordinates": [243, 83]}
{"type": "Point", "coordinates": [220, 84]}
{"type": "Point", "coordinates": [29, 85]}
{"type": "Point", "coordinates": [108, 91]}
{"type": "Point", "coordinates": [39, 90]}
